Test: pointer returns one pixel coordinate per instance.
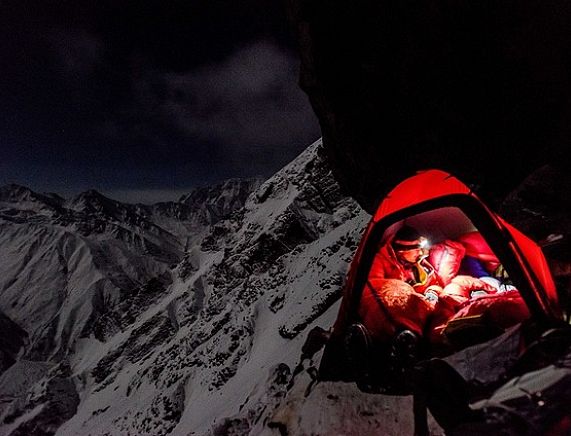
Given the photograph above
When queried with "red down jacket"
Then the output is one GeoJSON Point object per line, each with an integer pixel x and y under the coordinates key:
{"type": "Point", "coordinates": [389, 304]}
{"type": "Point", "coordinates": [444, 261]}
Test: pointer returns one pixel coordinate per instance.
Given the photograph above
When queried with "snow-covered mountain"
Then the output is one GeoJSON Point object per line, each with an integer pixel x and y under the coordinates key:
{"type": "Point", "coordinates": [182, 318]}
{"type": "Point", "coordinates": [72, 268]}
{"type": "Point", "coordinates": [139, 327]}
{"type": "Point", "coordinates": [214, 202]}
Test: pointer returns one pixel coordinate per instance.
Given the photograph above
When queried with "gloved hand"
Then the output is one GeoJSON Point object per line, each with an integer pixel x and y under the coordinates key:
{"type": "Point", "coordinates": [431, 295]}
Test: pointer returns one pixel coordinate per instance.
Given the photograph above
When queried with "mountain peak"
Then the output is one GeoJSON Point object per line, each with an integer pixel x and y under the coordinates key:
{"type": "Point", "coordinates": [14, 193]}
{"type": "Point", "coordinates": [221, 199]}
{"type": "Point", "coordinates": [233, 184]}
{"type": "Point", "coordinates": [91, 201]}
{"type": "Point", "coordinates": [92, 195]}
{"type": "Point", "coordinates": [16, 197]}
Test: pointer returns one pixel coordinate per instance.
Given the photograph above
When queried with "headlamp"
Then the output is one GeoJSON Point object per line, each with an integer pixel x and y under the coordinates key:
{"type": "Point", "coordinates": [420, 243]}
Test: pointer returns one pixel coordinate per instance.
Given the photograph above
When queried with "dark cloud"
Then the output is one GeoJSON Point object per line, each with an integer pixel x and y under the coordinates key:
{"type": "Point", "coordinates": [248, 107]}
{"type": "Point", "coordinates": [77, 55]}
{"type": "Point", "coordinates": [147, 95]}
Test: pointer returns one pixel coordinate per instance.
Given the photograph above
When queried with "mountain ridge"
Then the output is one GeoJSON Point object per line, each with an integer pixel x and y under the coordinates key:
{"type": "Point", "coordinates": [240, 296]}
{"type": "Point", "coordinates": [197, 329]}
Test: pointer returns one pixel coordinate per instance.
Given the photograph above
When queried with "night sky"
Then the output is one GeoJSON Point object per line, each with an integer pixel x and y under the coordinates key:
{"type": "Point", "coordinates": [144, 100]}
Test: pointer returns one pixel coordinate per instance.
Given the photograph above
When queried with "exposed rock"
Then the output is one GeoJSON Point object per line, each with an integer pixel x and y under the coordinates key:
{"type": "Point", "coordinates": [338, 409]}
{"type": "Point", "coordinates": [540, 208]}
{"type": "Point", "coordinates": [211, 346]}
{"type": "Point", "coordinates": [90, 265]}
{"type": "Point", "coordinates": [176, 351]}
{"type": "Point", "coordinates": [12, 339]}
{"type": "Point", "coordinates": [51, 402]}
{"type": "Point", "coordinates": [479, 89]}
{"type": "Point", "coordinates": [219, 201]}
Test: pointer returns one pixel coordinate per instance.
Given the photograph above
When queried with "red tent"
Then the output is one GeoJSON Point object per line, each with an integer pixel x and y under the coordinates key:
{"type": "Point", "coordinates": [442, 206]}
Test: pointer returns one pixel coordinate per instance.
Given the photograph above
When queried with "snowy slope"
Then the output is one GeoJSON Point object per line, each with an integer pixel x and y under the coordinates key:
{"type": "Point", "coordinates": [187, 318]}
{"type": "Point", "coordinates": [182, 318]}
{"type": "Point", "coordinates": [213, 351]}
{"type": "Point", "coordinates": [234, 314]}
{"type": "Point", "coordinates": [70, 268]}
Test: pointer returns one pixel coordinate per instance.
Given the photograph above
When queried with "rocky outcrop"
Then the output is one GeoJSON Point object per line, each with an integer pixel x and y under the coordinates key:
{"type": "Point", "coordinates": [205, 347]}
{"type": "Point", "coordinates": [50, 402]}
{"type": "Point", "coordinates": [89, 265]}
{"type": "Point", "coordinates": [479, 89]}
{"type": "Point", "coordinates": [215, 345]}
{"type": "Point", "coordinates": [216, 202]}
{"type": "Point", "coordinates": [12, 339]}
{"type": "Point", "coordinates": [540, 208]}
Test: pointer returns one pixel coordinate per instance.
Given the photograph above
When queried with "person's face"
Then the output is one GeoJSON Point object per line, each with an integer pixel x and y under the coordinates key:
{"type": "Point", "coordinates": [410, 256]}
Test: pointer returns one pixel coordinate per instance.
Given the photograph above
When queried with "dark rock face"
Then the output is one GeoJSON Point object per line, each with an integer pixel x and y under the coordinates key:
{"type": "Point", "coordinates": [479, 89]}
{"type": "Point", "coordinates": [59, 400]}
{"type": "Point", "coordinates": [12, 339]}
{"type": "Point", "coordinates": [219, 201]}
{"type": "Point", "coordinates": [540, 208]}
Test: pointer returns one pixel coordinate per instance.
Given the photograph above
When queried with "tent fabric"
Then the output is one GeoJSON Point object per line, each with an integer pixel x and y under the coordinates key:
{"type": "Point", "coordinates": [432, 184]}
{"type": "Point", "coordinates": [477, 247]}
{"type": "Point", "coordinates": [537, 262]}
{"type": "Point", "coordinates": [424, 186]}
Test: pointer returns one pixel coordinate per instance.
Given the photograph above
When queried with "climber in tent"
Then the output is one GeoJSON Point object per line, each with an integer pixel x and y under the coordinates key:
{"type": "Point", "coordinates": [413, 283]}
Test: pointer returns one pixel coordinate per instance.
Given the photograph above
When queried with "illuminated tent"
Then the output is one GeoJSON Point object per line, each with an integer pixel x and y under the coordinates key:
{"type": "Point", "coordinates": [440, 205]}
